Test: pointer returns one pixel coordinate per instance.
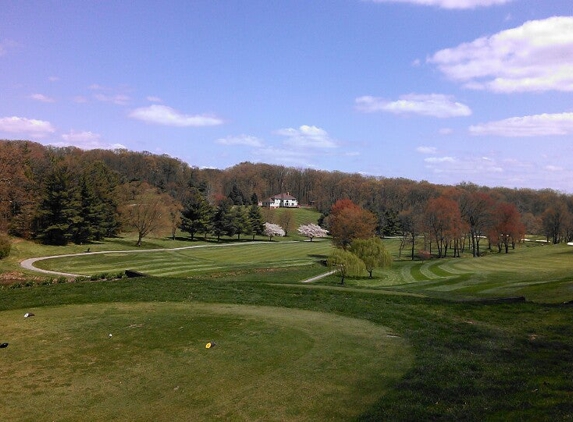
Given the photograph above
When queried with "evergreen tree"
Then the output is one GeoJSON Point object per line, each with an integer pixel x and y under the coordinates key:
{"type": "Point", "coordinates": [98, 203]}
{"type": "Point", "coordinates": [240, 221]}
{"type": "Point", "coordinates": [254, 199]}
{"type": "Point", "coordinates": [197, 213]}
{"type": "Point", "coordinates": [256, 221]}
{"type": "Point", "coordinates": [223, 224]}
{"type": "Point", "coordinates": [58, 217]}
{"type": "Point", "coordinates": [236, 196]}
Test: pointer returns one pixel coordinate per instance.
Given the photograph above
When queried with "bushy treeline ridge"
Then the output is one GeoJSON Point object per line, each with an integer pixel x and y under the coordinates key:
{"type": "Point", "coordinates": [60, 195]}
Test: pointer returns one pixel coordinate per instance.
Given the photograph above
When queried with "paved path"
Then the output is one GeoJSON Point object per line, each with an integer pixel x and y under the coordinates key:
{"type": "Point", "coordinates": [318, 277]}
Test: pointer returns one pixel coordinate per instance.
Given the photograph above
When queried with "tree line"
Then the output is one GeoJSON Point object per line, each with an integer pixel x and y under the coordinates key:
{"type": "Point", "coordinates": [60, 195]}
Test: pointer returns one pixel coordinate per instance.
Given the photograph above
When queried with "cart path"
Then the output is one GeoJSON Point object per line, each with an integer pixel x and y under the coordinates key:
{"type": "Point", "coordinates": [318, 277]}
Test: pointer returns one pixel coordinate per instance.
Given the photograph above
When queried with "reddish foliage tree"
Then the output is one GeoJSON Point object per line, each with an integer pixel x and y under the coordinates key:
{"type": "Point", "coordinates": [508, 228]}
{"type": "Point", "coordinates": [348, 221]}
{"type": "Point", "coordinates": [443, 221]}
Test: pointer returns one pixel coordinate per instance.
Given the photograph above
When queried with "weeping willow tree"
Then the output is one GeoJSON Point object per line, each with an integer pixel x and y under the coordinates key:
{"type": "Point", "coordinates": [372, 252]}
{"type": "Point", "coordinates": [345, 264]}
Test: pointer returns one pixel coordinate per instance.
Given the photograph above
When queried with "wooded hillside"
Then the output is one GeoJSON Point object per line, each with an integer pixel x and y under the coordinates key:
{"type": "Point", "coordinates": [43, 190]}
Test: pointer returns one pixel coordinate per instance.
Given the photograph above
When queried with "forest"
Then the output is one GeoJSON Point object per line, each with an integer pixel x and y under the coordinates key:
{"type": "Point", "coordinates": [57, 195]}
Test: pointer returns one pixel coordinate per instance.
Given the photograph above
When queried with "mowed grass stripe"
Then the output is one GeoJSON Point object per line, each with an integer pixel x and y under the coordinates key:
{"type": "Point", "coordinates": [193, 260]}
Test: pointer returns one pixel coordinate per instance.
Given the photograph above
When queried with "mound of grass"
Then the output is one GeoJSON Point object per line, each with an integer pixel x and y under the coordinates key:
{"type": "Point", "coordinates": [149, 361]}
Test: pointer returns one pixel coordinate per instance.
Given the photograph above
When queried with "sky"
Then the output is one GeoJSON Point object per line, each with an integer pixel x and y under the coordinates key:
{"type": "Point", "coordinates": [446, 91]}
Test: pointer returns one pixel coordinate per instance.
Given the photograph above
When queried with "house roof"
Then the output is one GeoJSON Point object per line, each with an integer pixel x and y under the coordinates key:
{"type": "Point", "coordinates": [283, 196]}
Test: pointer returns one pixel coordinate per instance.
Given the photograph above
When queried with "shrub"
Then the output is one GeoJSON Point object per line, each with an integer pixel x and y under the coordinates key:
{"type": "Point", "coordinates": [5, 246]}
{"type": "Point", "coordinates": [62, 280]}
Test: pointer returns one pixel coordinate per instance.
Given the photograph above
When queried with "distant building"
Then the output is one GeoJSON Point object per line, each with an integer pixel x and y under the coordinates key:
{"type": "Point", "coordinates": [282, 200]}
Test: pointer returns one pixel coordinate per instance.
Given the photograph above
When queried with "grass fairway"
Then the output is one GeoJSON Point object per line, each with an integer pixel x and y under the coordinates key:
{"type": "Point", "coordinates": [457, 357]}
{"type": "Point", "coordinates": [204, 258]}
{"type": "Point", "coordinates": [268, 363]}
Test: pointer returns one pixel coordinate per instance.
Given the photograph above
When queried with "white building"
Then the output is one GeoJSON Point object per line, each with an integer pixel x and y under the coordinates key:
{"type": "Point", "coordinates": [282, 200]}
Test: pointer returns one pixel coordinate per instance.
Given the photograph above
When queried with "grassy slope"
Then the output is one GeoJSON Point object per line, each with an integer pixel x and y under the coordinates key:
{"type": "Point", "coordinates": [473, 361]}
{"type": "Point", "coordinates": [267, 364]}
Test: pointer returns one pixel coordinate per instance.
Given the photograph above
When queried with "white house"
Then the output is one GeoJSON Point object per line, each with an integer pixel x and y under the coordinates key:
{"type": "Point", "coordinates": [282, 200]}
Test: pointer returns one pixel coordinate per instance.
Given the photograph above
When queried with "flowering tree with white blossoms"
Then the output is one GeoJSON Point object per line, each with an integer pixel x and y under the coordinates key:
{"type": "Point", "coordinates": [272, 230]}
{"type": "Point", "coordinates": [312, 230]}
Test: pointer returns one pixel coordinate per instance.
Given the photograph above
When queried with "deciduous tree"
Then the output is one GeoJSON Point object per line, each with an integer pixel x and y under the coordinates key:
{"type": "Point", "coordinates": [146, 211]}
{"type": "Point", "coordinates": [477, 210]}
{"type": "Point", "coordinates": [345, 263]}
{"type": "Point", "coordinates": [286, 220]}
{"type": "Point", "coordinates": [271, 230]}
{"type": "Point", "coordinates": [508, 228]}
{"type": "Point", "coordinates": [312, 230]}
{"type": "Point", "coordinates": [372, 252]}
{"type": "Point", "coordinates": [348, 221]}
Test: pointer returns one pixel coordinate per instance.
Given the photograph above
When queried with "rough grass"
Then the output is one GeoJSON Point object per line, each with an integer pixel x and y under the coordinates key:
{"type": "Point", "coordinates": [267, 363]}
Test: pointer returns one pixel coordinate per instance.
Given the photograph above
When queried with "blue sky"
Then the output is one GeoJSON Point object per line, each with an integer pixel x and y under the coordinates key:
{"type": "Point", "coordinates": [440, 90]}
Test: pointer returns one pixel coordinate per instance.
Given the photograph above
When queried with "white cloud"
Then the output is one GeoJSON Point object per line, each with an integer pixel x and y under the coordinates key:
{"type": "Point", "coordinates": [427, 150]}
{"type": "Point", "coordinates": [53, 78]}
{"type": "Point", "coordinates": [285, 156]}
{"type": "Point", "coordinates": [27, 127]}
{"type": "Point", "coordinates": [537, 56]}
{"type": "Point", "coordinates": [163, 115]}
{"type": "Point", "coordinates": [440, 160]}
{"type": "Point", "coordinates": [154, 99]}
{"type": "Point", "coordinates": [464, 167]}
{"type": "Point", "coordinates": [247, 140]}
{"type": "Point", "coordinates": [86, 140]}
{"type": "Point", "coordinates": [80, 99]}
{"type": "Point", "coordinates": [307, 137]}
{"type": "Point", "coordinates": [536, 125]}
{"type": "Point", "coordinates": [80, 137]}
{"type": "Point", "coordinates": [446, 131]}
{"type": "Point", "coordinates": [119, 99]}
{"type": "Point", "coordinates": [42, 98]}
{"type": "Point", "coordinates": [448, 4]}
{"type": "Point", "coordinates": [435, 105]}
{"type": "Point", "coordinates": [554, 168]}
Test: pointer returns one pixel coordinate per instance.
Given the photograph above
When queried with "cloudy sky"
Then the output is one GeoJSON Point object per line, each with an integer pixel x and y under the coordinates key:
{"type": "Point", "coordinates": [439, 90]}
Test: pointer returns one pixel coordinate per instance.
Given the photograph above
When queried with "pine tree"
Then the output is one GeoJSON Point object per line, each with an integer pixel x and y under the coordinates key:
{"type": "Point", "coordinates": [223, 221]}
{"type": "Point", "coordinates": [58, 216]}
{"type": "Point", "coordinates": [197, 213]}
{"type": "Point", "coordinates": [256, 221]}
